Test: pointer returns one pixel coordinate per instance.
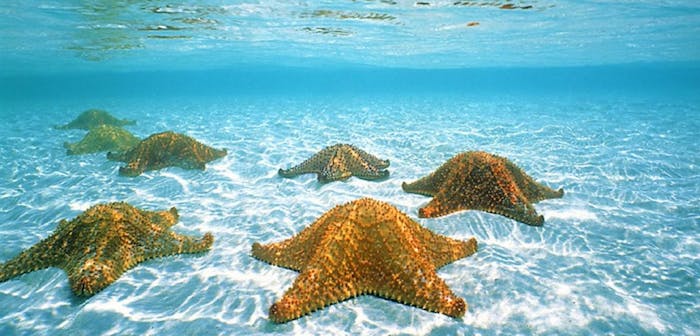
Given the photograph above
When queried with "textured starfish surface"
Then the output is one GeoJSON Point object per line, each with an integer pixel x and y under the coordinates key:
{"type": "Point", "coordinates": [365, 247]}
{"type": "Point", "coordinates": [102, 243]}
{"type": "Point", "coordinates": [339, 162]}
{"type": "Point", "coordinates": [103, 138]}
{"type": "Point", "coordinates": [167, 149]}
{"type": "Point", "coordinates": [482, 181]}
{"type": "Point", "coordinates": [93, 118]}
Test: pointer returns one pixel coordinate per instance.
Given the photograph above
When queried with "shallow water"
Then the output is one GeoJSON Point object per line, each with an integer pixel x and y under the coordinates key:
{"type": "Point", "coordinates": [618, 254]}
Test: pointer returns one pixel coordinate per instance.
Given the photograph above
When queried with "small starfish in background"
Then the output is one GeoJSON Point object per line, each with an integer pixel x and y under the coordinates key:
{"type": "Point", "coordinates": [166, 149]}
{"type": "Point", "coordinates": [482, 181]}
{"type": "Point", "coordinates": [102, 243]}
{"type": "Point", "coordinates": [103, 138]}
{"type": "Point", "coordinates": [93, 118]}
{"type": "Point", "coordinates": [365, 247]}
{"type": "Point", "coordinates": [339, 162]}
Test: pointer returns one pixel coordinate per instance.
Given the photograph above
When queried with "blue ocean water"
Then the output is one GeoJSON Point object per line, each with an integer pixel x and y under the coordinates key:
{"type": "Point", "coordinates": [601, 98]}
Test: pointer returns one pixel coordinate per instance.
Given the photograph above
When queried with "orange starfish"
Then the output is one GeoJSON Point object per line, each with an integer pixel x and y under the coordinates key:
{"type": "Point", "coordinates": [365, 247]}
{"type": "Point", "coordinates": [482, 181]}
{"type": "Point", "coordinates": [102, 243]}
{"type": "Point", "coordinates": [166, 149]}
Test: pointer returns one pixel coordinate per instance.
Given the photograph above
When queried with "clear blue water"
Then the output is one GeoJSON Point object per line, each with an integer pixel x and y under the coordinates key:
{"type": "Point", "coordinates": [601, 98]}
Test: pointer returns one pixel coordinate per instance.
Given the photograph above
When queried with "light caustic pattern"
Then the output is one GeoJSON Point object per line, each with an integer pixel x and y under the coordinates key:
{"type": "Point", "coordinates": [619, 253]}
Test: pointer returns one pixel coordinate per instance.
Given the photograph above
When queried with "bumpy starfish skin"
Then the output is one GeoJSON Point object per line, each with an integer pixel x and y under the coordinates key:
{"type": "Point", "coordinates": [365, 247]}
{"type": "Point", "coordinates": [103, 138]}
{"type": "Point", "coordinates": [166, 149]}
{"type": "Point", "coordinates": [482, 181]}
{"type": "Point", "coordinates": [102, 243]}
{"type": "Point", "coordinates": [339, 162]}
{"type": "Point", "coordinates": [93, 118]}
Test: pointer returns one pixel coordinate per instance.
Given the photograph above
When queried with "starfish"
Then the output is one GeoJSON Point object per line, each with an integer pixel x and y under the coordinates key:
{"type": "Point", "coordinates": [365, 247]}
{"type": "Point", "coordinates": [482, 181]}
{"type": "Point", "coordinates": [102, 243]}
{"type": "Point", "coordinates": [339, 162]}
{"type": "Point", "coordinates": [103, 138]}
{"type": "Point", "coordinates": [165, 150]}
{"type": "Point", "coordinates": [93, 118]}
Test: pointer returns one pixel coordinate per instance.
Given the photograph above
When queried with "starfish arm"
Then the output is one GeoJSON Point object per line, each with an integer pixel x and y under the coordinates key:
{"type": "Point", "coordinates": [33, 259]}
{"type": "Point", "coordinates": [431, 184]}
{"type": "Point", "coordinates": [414, 282]}
{"type": "Point", "coordinates": [362, 168]}
{"type": "Point", "coordinates": [444, 250]}
{"type": "Point", "coordinates": [313, 289]}
{"type": "Point", "coordinates": [172, 243]}
{"type": "Point", "coordinates": [294, 253]}
{"type": "Point", "coordinates": [293, 257]}
{"type": "Point", "coordinates": [545, 192]}
{"type": "Point", "coordinates": [131, 170]}
{"type": "Point", "coordinates": [325, 277]}
{"type": "Point", "coordinates": [402, 267]}
{"type": "Point", "coordinates": [96, 263]}
{"type": "Point", "coordinates": [423, 186]}
{"type": "Point", "coordinates": [372, 174]}
{"type": "Point", "coordinates": [520, 211]}
{"type": "Point", "coordinates": [533, 191]}
{"type": "Point", "coordinates": [444, 204]}
{"type": "Point", "coordinates": [311, 165]}
{"type": "Point", "coordinates": [92, 275]}
{"type": "Point", "coordinates": [439, 206]}
{"type": "Point", "coordinates": [203, 153]}
{"type": "Point", "coordinates": [89, 276]}
{"type": "Point", "coordinates": [370, 159]}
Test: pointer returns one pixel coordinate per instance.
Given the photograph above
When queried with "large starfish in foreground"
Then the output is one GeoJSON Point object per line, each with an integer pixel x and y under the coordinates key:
{"type": "Point", "coordinates": [166, 149]}
{"type": "Point", "coordinates": [365, 247]}
{"type": "Point", "coordinates": [102, 243]}
{"type": "Point", "coordinates": [93, 118]}
{"type": "Point", "coordinates": [482, 181]}
{"type": "Point", "coordinates": [339, 162]}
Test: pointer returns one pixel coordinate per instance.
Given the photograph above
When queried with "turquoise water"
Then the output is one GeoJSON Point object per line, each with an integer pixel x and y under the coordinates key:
{"type": "Point", "coordinates": [601, 98]}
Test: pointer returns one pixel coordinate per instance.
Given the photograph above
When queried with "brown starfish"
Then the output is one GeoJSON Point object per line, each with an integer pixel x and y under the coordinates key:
{"type": "Point", "coordinates": [165, 150]}
{"type": "Point", "coordinates": [365, 247]}
{"type": "Point", "coordinates": [339, 162]}
{"type": "Point", "coordinates": [102, 243]}
{"type": "Point", "coordinates": [482, 181]}
{"type": "Point", "coordinates": [93, 118]}
{"type": "Point", "coordinates": [103, 138]}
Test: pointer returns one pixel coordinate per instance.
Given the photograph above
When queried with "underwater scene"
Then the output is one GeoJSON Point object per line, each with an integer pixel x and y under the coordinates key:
{"type": "Point", "coordinates": [388, 167]}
